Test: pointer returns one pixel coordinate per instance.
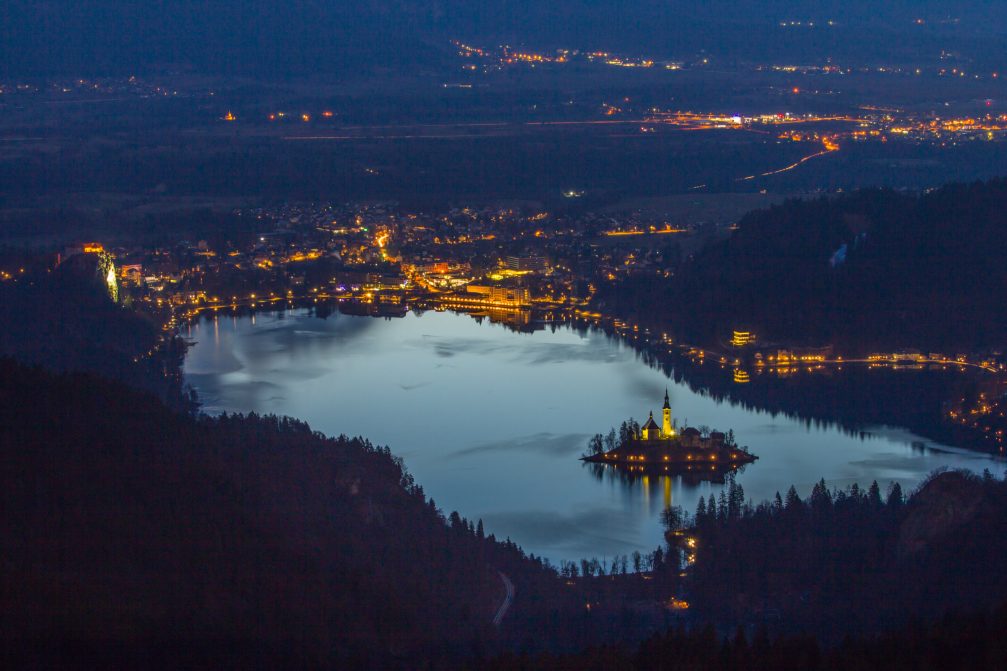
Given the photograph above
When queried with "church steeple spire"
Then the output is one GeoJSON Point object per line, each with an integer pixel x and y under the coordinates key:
{"type": "Point", "coordinates": [667, 430]}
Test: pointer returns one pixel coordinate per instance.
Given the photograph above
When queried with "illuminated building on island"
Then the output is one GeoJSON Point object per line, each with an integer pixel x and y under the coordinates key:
{"type": "Point", "coordinates": [651, 431]}
{"type": "Point", "coordinates": [666, 446]}
{"type": "Point", "coordinates": [742, 338]}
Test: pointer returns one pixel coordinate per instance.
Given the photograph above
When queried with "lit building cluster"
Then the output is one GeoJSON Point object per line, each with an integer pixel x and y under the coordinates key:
{"type": "Point", "coordinates": [829, 130]}
{"type": "Point", "coordinates": [95, 88]}
{"type": "Point", "coordinates": [505, 55]}
{"type": "Point", "coordinates": [984, 417]}
{"type": "Point", "coordinates": [525, 266]}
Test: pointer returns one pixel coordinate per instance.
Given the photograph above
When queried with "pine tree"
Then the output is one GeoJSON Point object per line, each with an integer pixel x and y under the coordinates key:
{"type": "Point", "coordinates": [821, 498]}
{"type": "Point", "coordinates": [895, 497]}
{"type": "Point", "coordinates": [735, 500]}
{"type": "Point", "coordinates": [793, 500]}
{"type": "Point", "coordinates": [874, 496]}
{"type": "Point", "coordinates": [674, 518]}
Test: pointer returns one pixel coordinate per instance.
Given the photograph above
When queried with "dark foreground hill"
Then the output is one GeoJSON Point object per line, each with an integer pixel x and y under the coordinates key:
{"type": "Point", "coordinates": [135, 535]}
{"type": "Point", "coordinates": [846, 579]}
{"type": "Point", "coordinates": [854, 561]}
{"type": "Point", "coordinates": [953, 644]}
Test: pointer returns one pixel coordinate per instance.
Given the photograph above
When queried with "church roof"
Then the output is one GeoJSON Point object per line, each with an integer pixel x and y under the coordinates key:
{"type": "Point", "coordinates": [691, 431]}
{"type": "Point", "coordinates": [667, 404]}
{"type": "Point", "coordinates": [651, 424]}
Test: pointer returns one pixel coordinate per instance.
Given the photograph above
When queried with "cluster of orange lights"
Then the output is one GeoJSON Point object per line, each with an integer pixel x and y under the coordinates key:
{"type": "Point", "coordinates": [305, 116]}
{"type": "Point", "coordinates": [641, 457]}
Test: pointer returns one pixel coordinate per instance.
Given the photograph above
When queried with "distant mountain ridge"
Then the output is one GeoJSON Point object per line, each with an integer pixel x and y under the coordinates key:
{"type": "Point", "coordinates": [220, 37]}
{"type": "Point", "coordinates": [308, 37]}
{"type": "Point", "coordinates": [742, 11]}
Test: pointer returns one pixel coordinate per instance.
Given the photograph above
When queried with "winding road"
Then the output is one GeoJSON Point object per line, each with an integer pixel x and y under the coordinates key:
{"type": "Point", "coordinates": [508, 600]}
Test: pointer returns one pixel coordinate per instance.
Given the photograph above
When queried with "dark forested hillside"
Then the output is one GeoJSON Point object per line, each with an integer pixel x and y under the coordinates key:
{"type": "Point", "coordinates": [134, 533]}
{"type": "Point", "coordinates": [845, 579]}
{"type": "Point", "coordinates": [855, 561]}
{"type": "Point", "coordinates": [869, 270]}
{"type": "Point", "coordinates": [956, 643]}
{"type": "Point", "coordinates": [64, 319]}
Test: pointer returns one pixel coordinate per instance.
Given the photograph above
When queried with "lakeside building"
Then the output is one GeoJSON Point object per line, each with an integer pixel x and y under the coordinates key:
{"type": "Point", "coordinates": [502, 295]}
{"type": "Point", "coordinates": [535, 264]}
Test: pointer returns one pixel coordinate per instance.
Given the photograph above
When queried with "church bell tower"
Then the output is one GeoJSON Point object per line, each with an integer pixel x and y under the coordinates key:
{"type": "Point", "coordinates": [666, 429]}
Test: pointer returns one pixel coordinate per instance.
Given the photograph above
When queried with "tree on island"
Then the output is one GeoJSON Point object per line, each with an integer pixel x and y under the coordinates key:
{"type": "Point", "coordinates": [600, 444]}
{"type": "Point", "coordinates": [628, 431]}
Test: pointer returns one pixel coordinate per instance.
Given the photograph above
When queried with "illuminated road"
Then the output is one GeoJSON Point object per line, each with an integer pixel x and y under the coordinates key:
{"type": "Point", "coordinates": [792, 166]}
{"type": "Point", "coordinates": [508, 600]}
{"type": "Point", "coordinates": [910, 362]}
{"type": "Point", "coordinates": [663, 231]}
{"type": "Point", "coordinates": [789, 167]}
{"type": "Point", "coordinates": [502, 128]}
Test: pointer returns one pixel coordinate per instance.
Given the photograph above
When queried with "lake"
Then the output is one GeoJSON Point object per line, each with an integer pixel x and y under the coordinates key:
{"type": "Point", "coordinates": [491, 421]}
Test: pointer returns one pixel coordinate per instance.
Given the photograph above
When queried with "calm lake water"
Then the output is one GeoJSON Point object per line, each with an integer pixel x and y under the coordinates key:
{"type": "Point", "coordinates": [491, 422]}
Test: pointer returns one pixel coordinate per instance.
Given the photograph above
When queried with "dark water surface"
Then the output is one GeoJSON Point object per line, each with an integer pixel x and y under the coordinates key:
{"type": "Point", "coordinates": [491, 422]}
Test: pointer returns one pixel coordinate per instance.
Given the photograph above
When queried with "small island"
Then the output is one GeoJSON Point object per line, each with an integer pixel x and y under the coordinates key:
{"type": "Point", "coordinates": [653, 446]}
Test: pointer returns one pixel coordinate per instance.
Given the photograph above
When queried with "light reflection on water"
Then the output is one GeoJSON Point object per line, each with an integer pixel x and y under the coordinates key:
{"type": "Point", "coordinates": [491, 421]}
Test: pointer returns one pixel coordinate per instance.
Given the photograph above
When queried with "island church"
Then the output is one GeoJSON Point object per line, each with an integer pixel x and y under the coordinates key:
{"type": "Point", "coordinates": [666, 446]}
{"type": "Point", "coordinates": [651, 431]}
{"type": "Point", "coordinates": [666, 436]}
